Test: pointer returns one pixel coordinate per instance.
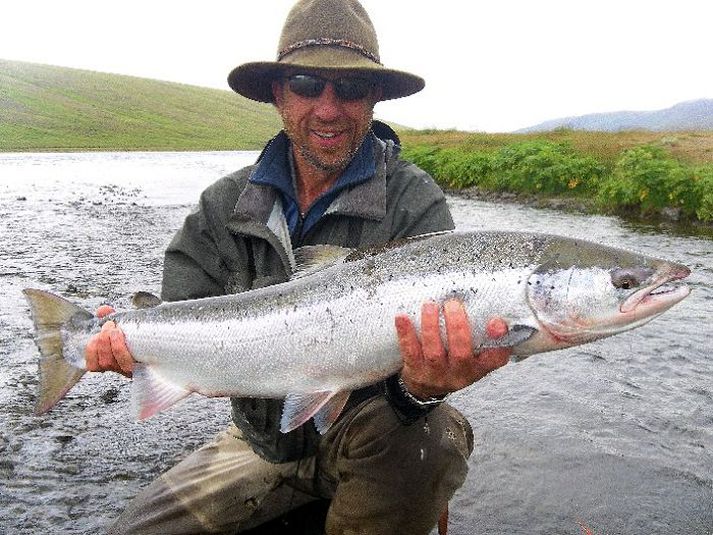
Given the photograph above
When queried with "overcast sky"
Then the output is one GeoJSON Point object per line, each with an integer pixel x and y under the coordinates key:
{"type": "Point", "coordinates": [494, 65]}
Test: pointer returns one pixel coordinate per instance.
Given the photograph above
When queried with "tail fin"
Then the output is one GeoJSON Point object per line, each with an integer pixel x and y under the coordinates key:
{"type": "Point", "coordinates": [57, 376]}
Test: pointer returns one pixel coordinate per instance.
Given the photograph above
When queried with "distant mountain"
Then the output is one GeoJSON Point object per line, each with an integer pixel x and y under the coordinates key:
{"type": "Point", "coordinates": [691, 115]}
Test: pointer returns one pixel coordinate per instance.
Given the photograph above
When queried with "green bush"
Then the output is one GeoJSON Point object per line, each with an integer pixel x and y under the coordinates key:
{"type": "Point", "coordinates": [646, 178]}
{"type": "Point", "coordinates": [545, 167]}
{"type": "Point", "coordinates": [454, 168]}
{"type": "Point", "coordinates": [703, 192]}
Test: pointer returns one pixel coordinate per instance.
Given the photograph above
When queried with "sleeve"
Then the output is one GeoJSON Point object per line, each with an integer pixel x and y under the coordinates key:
{"type": "Point", "coordinates": [193, 265]}
{"type": "Point", "coordinates": [419, 204]}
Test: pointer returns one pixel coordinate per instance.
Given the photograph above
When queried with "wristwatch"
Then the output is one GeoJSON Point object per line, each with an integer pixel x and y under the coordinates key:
{"type": "Point", "coordinates": [416, 401]}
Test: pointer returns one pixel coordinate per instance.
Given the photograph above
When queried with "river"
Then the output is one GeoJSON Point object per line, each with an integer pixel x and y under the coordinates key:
{"type": "Point", "coordinates": [616, 436]}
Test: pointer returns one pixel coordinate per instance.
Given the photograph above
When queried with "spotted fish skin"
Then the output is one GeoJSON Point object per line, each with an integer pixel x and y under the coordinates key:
{"type": "Point", "coordinates": [330, 329]}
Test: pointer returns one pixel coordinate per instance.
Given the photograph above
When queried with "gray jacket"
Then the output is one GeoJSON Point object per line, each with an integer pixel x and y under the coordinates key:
{"type": "Point", "coordinates": [237, 240]}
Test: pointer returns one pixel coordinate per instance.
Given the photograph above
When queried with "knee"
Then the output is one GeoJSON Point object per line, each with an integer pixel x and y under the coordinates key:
{"type": "Point", "coordinates": [387, 474]}
{"type": "Point", "coordinates": [439, 443]}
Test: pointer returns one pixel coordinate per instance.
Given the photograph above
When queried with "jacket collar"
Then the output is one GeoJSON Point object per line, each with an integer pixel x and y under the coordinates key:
{"type": "Point", "coordinates": [259, 212]}
{"type": "Point", "coordinates": [366, 199]}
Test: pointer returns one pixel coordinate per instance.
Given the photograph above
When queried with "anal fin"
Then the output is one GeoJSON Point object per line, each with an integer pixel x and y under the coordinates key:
{"type": "Point", "coordinates": [330, 411]}
{"type": "Point", "coordinates": [324, 406]}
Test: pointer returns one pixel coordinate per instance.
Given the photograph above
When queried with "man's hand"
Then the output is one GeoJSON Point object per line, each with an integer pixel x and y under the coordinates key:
{"type": "Point", "coordinates": [106, 350]}
{"type": "Point", "coordinates": [429, 371]}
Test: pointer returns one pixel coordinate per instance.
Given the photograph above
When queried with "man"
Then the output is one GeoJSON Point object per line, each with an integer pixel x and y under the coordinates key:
{"type": "Point", "coordinates": [397, 453]}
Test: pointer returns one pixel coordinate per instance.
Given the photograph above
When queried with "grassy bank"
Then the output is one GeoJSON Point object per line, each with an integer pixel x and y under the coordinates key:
{"type": "Point", "coordinates": [45, 108]}
{"type": "Point", "coordinates": [636, 173]}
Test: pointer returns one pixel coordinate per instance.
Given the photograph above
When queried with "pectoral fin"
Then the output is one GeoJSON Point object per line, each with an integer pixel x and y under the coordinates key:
{"type": "Point", "coordinates": [516, 335]}
{"type": "Point", "coordinates": [152, 393]}
{"type": "Point", "coordinates": [325, 407]}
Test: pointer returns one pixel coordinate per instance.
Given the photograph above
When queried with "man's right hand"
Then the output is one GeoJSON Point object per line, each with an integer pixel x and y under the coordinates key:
{"type": "Point", "coordinates": [106, 350]}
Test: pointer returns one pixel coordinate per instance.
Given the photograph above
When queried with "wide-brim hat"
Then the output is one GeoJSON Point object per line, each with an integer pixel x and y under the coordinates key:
{"type": "Point", "coordinates": [324, 35]}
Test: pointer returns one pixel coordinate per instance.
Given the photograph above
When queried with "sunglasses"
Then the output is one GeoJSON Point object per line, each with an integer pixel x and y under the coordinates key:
{"type": "Point", "coordinates": [347, 88]}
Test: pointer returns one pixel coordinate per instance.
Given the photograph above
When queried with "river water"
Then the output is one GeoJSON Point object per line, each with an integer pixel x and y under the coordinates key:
{"type": "Point", "coordinates": [616, 436]}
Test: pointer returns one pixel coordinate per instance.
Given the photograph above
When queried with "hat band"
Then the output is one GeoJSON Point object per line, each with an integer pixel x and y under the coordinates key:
{"type": "Point", "coordinates": [327, 41]}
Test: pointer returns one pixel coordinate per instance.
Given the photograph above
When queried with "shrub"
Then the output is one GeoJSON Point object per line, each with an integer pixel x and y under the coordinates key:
{"type": "Point", "coordinates": [645, 178]}
{"type": "Point", "coordinates": [545, 167]}
{"type": "Point", "coordinates": [648, 179]}
{"type": "Point", "coordinates": [704, 192]}
{"type": "Point", "coordinates": [455, 167]}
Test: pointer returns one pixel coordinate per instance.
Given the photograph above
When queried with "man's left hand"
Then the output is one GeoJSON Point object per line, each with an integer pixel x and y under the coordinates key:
{"type": "Point", "coordinates": [429, 370]}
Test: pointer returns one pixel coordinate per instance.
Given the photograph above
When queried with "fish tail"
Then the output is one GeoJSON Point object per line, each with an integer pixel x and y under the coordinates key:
{"type": "Point", "coordinates": [50, 314]}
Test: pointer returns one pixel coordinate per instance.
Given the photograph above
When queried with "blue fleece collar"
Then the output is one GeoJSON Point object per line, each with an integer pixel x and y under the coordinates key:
{"type": "Point", "coordinates": [274, 169]}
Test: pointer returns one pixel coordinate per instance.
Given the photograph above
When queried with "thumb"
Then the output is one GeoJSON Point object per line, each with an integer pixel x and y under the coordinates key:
{"type": "Point", "coordinates": [104, 310]}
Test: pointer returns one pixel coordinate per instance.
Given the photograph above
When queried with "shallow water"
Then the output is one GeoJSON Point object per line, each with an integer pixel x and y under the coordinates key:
{"type": "Point", "coordinates": [616, 435]}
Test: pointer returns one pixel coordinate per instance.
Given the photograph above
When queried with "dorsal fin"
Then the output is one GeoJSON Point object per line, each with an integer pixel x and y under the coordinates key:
{"type": "Point", "coordinates": [314, 258]}
{"type": "Point", "coordinates": [358, 254]}
{"type": "Point", "coordinates": [145, 300]}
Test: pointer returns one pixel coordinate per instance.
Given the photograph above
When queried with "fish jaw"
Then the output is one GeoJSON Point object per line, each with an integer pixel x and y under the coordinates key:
{"type": "Point", "coordinates": [567, 322]}
{"type": "Point", "coordinates": [650, 301]}
{"type": "Point", "coordinates": [655, 298]}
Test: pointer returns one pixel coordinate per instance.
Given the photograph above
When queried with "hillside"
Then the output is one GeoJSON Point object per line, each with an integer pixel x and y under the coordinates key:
{"type": "Point", "coordinates": [56, 108]}
{"type": "Point", "coordinates": [691, 115]}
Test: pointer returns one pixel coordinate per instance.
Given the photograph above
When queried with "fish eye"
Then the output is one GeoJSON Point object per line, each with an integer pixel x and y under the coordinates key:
{"type": "Point", "coordinates": [626, 283]}
{"type": "Point", "coordinates": [625, 279]}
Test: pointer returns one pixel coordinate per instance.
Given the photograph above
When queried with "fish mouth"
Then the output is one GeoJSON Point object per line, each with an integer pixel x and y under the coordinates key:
{"type": "Point", "coordinates": [660, 295]}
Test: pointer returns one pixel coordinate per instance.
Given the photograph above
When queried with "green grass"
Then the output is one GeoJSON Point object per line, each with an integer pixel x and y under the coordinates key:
{"type": "Point", "coordinates": [635, 173]}
{"type": "Point", "coordinates": [45, 108]}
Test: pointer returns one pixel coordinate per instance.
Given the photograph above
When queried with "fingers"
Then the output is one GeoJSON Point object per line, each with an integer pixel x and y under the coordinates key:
{"type": "Point", "coordinates": [429, 370]}
{"type": "Point", "coordinates": [494, 358]}
{"type": "Point", "coordinates": [460, 344]}
{"type": "Point", "coordinates": [121, 352]}
{"type": "Point", "coordinates": [107, 350]}
{"type": "Point", "coordinates": [425, 360]}
{"type": "Point", "coordinates": [434, 352]}
{"type": "Point", "coordinates": [409, 343]}
{"type": "Point", "coordinates": [104, 310]}
{"type": "Point", "coordinates": [105, 355]}
{"type": "Point", "coordinates": [496, 328]}
{"type": "Point", "coordinates": [458, 333]}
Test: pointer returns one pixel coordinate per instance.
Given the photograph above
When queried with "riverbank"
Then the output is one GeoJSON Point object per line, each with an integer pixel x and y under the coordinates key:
{"type": "Point", "coordinates": [639, 175]}
{"type": "Point", "coordinates": [668, 220]}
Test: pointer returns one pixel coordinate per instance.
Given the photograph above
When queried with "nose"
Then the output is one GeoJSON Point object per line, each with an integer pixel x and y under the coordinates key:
{"type": "Point", "coordinates": [327, 106]}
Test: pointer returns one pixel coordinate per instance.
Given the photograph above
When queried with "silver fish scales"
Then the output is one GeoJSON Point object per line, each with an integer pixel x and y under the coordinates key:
{"type": "Point", "coordinates": [330, 329]}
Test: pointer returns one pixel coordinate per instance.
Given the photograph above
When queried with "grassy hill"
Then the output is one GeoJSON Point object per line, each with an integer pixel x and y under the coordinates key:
{"type": "Point", "coordinates": [46, 108]}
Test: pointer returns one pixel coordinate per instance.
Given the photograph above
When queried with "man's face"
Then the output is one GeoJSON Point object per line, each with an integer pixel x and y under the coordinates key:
{"type": "Point", "coordinates": [325, 129]}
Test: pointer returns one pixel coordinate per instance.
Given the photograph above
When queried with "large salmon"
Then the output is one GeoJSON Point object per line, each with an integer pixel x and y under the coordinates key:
{"type": "Point", "coordinates": [330, 329]}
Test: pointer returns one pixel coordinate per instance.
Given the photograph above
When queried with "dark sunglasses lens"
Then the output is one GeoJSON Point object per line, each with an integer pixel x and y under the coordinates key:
{"type": "Point", "coordinates": [305, 85]}
{"type": "Point", "coordinates": [308, 86]}
{"type": "Point", "coordinates": [352, 88]}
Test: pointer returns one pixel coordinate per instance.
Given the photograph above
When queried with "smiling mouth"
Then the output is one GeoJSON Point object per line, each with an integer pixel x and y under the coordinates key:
{"type": "Point", "coordinates": [660, 294]}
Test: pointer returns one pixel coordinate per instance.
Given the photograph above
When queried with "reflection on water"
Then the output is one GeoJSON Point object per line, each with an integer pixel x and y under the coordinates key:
{"type": "Point", "coordinates": [616, 434]}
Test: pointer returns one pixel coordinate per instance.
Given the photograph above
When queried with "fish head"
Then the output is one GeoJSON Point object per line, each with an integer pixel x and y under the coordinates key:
{"type": "Point", "coordinates": [584, 291]}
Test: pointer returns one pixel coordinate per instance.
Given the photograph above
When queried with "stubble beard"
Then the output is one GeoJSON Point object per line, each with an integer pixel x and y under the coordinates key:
{"type": "Point", "coordinates": [314, 159]}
